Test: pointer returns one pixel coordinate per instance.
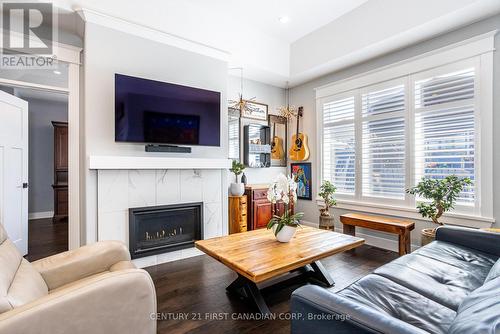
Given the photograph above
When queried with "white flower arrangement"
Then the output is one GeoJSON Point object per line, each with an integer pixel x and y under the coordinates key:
{"type": "Point", "coordinates": [282, 189]}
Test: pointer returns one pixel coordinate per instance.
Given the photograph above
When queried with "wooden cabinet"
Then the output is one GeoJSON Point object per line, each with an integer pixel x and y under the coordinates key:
{"type": "Point", "coordinates": [263, 212]}
{"type": "Point", "coordinates": [260, 210]}
{"type": "Point", "coordinates": [60, 184]}
{"type": "Point", "coordinates": [237, 214]}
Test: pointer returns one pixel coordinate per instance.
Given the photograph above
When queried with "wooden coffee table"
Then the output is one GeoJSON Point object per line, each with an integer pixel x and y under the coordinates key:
{"type": "Point", "coordinates": [260, 260]}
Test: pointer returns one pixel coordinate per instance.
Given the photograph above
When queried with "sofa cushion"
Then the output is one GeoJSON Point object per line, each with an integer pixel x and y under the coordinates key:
{"type": "Point", "coordinates": [494, 272]}
{"type": "Point", "coordinates": [20, 283]}
{"type": "Point", "coordinates": [400, 302]}
{"type": "Point", "coordinates": [472, 261]}
{"type": "Point", "coordinates": [479, 312]}
{"type": "Point", "coordinates": [444, 283]}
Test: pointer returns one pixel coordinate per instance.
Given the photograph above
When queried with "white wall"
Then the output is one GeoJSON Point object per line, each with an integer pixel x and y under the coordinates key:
{"type": "Point", "coordinates": [274, 97]}
{"type": "Point", "coordinates": [305, 95]}
{"type": "Point", "coordinates": [109, 51]}
{"type": "Point", "coordinates": [378, 27]}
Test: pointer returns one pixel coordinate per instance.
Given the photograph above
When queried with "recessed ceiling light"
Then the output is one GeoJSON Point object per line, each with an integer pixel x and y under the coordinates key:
{"type": "Point", "coordinates": [57, 72]}
{"type": "Point", "coordinates": [284, 19]}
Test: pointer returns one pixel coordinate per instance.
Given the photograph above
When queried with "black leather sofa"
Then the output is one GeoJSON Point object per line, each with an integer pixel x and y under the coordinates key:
{"type": "Point", "coordinates": [451, 285]}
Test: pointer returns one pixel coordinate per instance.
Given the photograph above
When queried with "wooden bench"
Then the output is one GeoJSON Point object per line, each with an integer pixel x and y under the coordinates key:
{"type": "Point", "coordinates": [384, 224]}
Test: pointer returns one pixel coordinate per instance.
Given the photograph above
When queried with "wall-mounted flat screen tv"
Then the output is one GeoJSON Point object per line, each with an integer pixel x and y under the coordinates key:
{"type": "Point", "coordinates": [148, 111]}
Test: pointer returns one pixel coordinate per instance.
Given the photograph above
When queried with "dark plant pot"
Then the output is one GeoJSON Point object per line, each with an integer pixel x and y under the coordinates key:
{"type": "Point", "coordinates": [327, 222]}
{"type": "Point", "coordinates": [428, 236]}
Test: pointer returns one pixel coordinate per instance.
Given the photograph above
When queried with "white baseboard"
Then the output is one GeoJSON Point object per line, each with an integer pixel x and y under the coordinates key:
{"type": "Point", "coordinates": [371, 240]}
{"type": "Point", "coordinates": [41, 215]}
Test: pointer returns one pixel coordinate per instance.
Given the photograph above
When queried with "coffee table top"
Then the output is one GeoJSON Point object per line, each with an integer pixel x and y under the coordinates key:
{"type": "Point", "coordinates": [258, 256]}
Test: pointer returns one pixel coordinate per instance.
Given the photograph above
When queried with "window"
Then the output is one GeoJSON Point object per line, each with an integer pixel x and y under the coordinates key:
{"type": "Point", "coordinates": [234, 134]}
{"type": "Point", "coordinates": [381, 138]}
{"type": "Point", "coordinates": [383, 142]}
{"type": "Point", "coordinates": [445, 128]}
{"type": "Point", "coordinates": [338, 144]}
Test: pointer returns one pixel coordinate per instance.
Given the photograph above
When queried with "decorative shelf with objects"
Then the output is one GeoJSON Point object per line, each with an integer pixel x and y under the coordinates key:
{"type": "Point", "coordinates": [257, 146]}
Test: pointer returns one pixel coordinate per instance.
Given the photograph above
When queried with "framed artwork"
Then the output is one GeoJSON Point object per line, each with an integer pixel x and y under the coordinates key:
{"type": "Point", "coordinates": [256, 110]}
{"type": "Point", "coordinates": [301, 172]}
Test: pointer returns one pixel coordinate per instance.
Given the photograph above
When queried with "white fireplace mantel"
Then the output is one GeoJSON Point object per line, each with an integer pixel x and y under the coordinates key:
{"type": "Point", "coordinates": [142, 162]}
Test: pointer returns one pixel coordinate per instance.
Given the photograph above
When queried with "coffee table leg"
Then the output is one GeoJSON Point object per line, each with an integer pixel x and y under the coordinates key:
{"type": "Point", "coordinates": [237, 284]}
{"type": "Point", "coordinates": [248, 289]}
{"type": "Point", "coordinates": [254, 294]}
{"type": "Point", "coordinates": [321, 274]}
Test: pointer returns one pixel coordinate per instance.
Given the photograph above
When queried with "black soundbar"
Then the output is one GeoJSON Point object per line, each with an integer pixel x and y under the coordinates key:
{"type": "Point", "coordinates": [167, 148]}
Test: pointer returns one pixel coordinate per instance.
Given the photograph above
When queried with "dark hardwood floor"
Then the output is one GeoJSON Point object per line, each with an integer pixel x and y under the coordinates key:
{"type": "Point", "coordinates": [46, 238]}
{"type": "Point", "coordinates": [192, 292]}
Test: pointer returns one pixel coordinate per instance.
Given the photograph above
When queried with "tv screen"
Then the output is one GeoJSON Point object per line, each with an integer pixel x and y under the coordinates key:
{"type": "Point", "coordinates": [148, 111]}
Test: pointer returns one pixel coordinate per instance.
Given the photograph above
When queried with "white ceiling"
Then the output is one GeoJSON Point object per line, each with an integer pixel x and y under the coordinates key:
{"type": "Point", "coordinates": [250, 32]}
{"type": "Point", "coordinates": [29, 94]}
{"type": "Point", "coordinates": [174, 16]}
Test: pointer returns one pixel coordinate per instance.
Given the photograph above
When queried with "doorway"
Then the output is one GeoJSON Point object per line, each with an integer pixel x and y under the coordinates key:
{"type": "Point", "coordinates": [47, 172]}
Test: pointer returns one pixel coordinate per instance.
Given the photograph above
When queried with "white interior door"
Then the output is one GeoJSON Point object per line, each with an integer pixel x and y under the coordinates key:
{"type": "Point", "coordinates": [14, 169]}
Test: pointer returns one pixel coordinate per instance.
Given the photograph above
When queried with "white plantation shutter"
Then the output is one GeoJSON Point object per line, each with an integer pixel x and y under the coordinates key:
{"type": "Point", "coordinates": [444, 128]}
{"type": "Point", "coordinates": [383, 143]}
{"type": "Point", "coordinates": [339, 144]}
{"type": "Point", "coordinates": [380, 138]}
{"type": "Point", "coordinates": [234, 135]}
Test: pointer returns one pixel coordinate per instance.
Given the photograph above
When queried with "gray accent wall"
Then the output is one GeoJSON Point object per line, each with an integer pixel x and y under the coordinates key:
{"type": "Point", "coordinates": [41, 151]}
{"type": "Point", "coordinates": [305, 95]}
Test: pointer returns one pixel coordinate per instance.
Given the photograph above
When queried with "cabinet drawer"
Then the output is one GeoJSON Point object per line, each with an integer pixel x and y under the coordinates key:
{"type": "Point", "coordinates": [260, 194]}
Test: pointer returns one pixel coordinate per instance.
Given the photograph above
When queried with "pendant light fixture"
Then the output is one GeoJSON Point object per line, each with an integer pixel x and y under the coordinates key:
{"type": "Point", "coordinates": [242, 104]}
{"type": "Point", "coordinates": [287, 111]}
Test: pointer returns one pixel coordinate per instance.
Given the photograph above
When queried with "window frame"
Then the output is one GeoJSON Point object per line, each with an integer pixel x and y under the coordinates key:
{"type": "Point", "coordinates": [477, 51]}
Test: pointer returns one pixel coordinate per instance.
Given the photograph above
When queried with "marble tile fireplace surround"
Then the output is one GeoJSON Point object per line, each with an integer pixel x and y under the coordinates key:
{"type": "Point", "coordinates": [120, 187]}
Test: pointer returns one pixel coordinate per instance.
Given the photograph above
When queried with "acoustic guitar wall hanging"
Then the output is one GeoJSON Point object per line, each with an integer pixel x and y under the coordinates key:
{"type": "Point", "coordinates": [299, 150]}
{"type": "Point", "coordinates": [277, 152]}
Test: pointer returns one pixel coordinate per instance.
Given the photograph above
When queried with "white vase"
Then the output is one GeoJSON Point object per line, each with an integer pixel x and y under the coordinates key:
{"type": "Point", "coordinates": [286, 234]}
{"type": "Point", "coordinates": [237, 189]}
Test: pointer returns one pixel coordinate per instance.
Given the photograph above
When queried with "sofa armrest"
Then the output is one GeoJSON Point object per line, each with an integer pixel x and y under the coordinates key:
{"type": "Point", "coordinates": [114, 302]}
{"type": "Point", "coordinates": [487, 242]}
{"type": "Point", "coordinates": [85, 261]}
{"type": "Point", "coordinates": [317, 310]}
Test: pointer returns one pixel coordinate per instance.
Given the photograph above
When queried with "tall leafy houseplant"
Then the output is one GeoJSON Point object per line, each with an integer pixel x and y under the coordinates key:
{"type": "Point", "coordinates": [284, 189]}
{"type": "Point", "coordinates": [326, 191]}
{"type": "Point", "coordinates": [441, 196]}
{"type": "Point", "coordinates": [237, 189]}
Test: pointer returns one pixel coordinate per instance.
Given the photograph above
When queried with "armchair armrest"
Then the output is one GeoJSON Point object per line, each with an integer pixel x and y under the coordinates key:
{"type": "Point", "coordinates": [85, 261]}
{"type": "Point", "coordinates": [317, 310]}
{"type": "Point", "coordinates": [487, 242]}
{"type": "Point", "coordinates": [115, 302]}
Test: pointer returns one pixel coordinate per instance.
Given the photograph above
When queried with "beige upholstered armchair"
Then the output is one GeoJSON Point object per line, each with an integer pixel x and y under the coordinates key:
{"type": "Point", "coordinates": [93, 289]}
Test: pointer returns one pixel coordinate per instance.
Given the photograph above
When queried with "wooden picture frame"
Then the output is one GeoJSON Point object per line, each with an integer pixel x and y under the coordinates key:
{"type": "Point", "coordinates": [260, 113]}
{"type": "Point", "coordinates": [302, 174]}
{"type": "Point", "coordinates": [279, 128]}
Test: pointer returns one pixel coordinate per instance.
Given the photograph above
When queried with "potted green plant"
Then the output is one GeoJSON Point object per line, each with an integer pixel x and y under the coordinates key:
{"type": "Point", "coordinates": [237, 188]}
{"type": "Point", "coordinates": [441, 196]}
{"type": "Point", "coordinates": [285, 189]}
{"type": "Point", "coordinates": [326, 192]}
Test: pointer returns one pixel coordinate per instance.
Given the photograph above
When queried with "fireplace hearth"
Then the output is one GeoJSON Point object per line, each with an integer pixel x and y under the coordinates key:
{"type": "Point", "coordinates": [162, 229]}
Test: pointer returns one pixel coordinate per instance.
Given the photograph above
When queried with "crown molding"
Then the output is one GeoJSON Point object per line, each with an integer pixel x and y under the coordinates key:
{"type": "Point", "coordinates": [140, 30]}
